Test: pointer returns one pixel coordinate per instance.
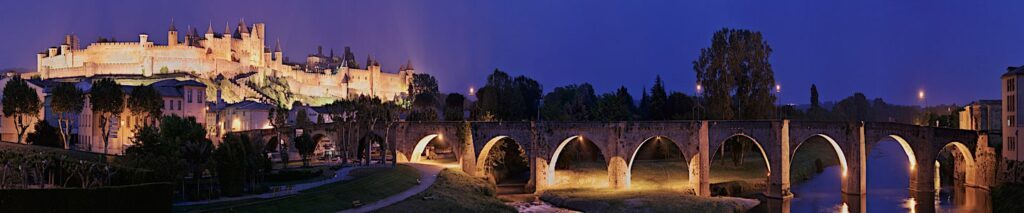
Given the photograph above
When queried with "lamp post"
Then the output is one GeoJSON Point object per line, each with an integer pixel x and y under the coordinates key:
{"type": "Point", "coordinates": [699, 96]}
{"type": "Point", "coordinates": [778, 97]}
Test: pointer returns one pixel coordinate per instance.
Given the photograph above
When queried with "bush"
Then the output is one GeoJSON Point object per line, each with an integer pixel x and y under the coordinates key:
{"type": "Point", "coordinates": [45, 135]}
{"type": "Point", "coordinates": [151, 197]}
{"type": "Point", "coordinates": [1007, 197]}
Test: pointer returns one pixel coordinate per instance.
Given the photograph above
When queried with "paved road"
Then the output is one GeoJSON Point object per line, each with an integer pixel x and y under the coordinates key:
{"type": "Point", "coordinates": [428, 174]}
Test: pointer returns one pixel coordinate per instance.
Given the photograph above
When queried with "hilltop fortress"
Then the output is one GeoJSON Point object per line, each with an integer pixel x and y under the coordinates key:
{"type": "Point", "coordinates": [236, 65]}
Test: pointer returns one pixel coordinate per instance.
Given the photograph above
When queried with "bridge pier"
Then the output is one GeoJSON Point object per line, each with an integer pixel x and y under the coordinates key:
{"type": "Point", "coordinates": [778, 157]}
{"type": "Point", "coordinates": [617, 173]}
{"type": "Point", "coordinates": [700, 164]}
{"type": "Point", "coordinates": [854, 179]}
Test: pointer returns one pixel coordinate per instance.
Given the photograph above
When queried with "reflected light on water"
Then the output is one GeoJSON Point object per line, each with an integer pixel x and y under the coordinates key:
{"type": "Point", "coordinates": [910, 203]}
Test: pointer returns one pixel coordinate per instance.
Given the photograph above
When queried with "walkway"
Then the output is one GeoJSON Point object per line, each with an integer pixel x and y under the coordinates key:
{"type": "Point", "coordinates": [340, 175]}
{"type": "Point", "coordinates": [428, 174]}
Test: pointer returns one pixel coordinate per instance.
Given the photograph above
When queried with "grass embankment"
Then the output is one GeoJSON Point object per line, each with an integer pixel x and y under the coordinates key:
{"type": "Point", "coordinates": [368, 185]}
{"type": "Point", "coordinates": [611, 200]}
{"type": "Point", "coordinates": [454, 191]}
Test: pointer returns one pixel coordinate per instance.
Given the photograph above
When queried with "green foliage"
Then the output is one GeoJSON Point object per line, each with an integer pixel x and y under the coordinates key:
{"type": "Point", "coordinates": [26, 166]}
{"type": "Point", "coordinates": [171, 151]}
{"type": "Point", "coordinates": [454, 107]}
{"type": "Point", "coordinates": [657, 107]}
{"type": "Point", "coordinates": [735, 68]}
{"type": "Point", "coordinates": [617, 106]}
{"type": "Point", "coordinates": [107, 100]}
{"type": "Point", "coordinates": [680, 107]}
{"type": "Point", "coordinates": [422, 83]}
{"type": "Point", "coordinates": [240, 163]}
{"type": "Point", "coordinates": [45, 135]}
{"type": "Point", "coordinates": [197, 155]}
{"type": "Point", "coordinates": [1006, 197]}
{"type": "Point", "coordinates": [424, 108]}
{"type": "Point", "coordinates": [21, 102]}
{"type": "Point", "coordinates": [815, 103]}
{"type": "Point", "coordinates": [854, 108]}
{"type": "Point", "coordinates": [146, 103]}
{"type": "Point", "coordinates": [305, 145]}
{"type": "Point", "coordinates": [506, 160]}
{"type": "Point", "coordinates": [66, 101]}
{"type": "Point", "coordinates": [508, 99]}
{"type": "Point", "coordinates": [569, 103]}
{"type": "Point", "coordinates": [150, 197]}
{"type": "Point", "coordinates": [302, 118]}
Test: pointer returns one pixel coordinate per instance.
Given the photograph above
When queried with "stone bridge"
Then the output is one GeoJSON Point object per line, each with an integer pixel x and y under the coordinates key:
{"type": "Point", "coordinates": [778, 141]}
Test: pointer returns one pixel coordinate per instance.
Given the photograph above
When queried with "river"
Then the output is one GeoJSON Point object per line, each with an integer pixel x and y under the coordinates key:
{"type": "Point", "coordinates": [887, 190]}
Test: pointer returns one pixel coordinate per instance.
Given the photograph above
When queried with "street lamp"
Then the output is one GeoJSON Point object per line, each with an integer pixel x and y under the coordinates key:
{"type": "Point", "coordinates": [471, 91]}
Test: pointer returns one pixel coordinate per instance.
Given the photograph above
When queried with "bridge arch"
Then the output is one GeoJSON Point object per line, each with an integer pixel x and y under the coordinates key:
{"type": "Point", "coordinates": [968, 160]}
{"type": "Point", "coordinates": [486, 151]}
{"type": "Point", "coordinates": [420, 146]}
{"type": "Point", "coordinates": [760, 148]}
{"type": "Point", "coordinates": [907, 149]}
{"type": "Point", "coordinates": [558, 151]}
{"type": "Point", "coordinates": [632, 158]}
{"type": "Point", "coordinates": [835, 146]}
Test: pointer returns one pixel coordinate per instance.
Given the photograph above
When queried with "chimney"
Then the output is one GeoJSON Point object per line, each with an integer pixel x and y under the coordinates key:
{"type": "Point", "coordinates": [143, 38]}
{"type": "Point", "coordinates": [52, 52]}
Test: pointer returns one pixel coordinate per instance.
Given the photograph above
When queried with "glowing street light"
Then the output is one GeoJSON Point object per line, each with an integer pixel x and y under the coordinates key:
{"type": "Point", "coordinates": [471, 91]}
{"type": "Point", "coordinates": [699, 88]}
{"type": "Point", "coordinates": [778, 88]}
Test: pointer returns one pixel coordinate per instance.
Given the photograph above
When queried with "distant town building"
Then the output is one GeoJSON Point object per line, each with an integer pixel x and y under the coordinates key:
{"type": "Point", "coordinates": [982, 115]}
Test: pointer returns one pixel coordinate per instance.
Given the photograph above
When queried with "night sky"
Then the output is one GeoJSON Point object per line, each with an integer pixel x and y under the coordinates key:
{"type": "Point", "coordinates": [954, 50]}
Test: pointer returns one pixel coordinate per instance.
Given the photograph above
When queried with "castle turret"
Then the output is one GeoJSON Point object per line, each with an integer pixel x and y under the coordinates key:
{"type": "Point", "coordinates": [277, 52]}
{"type": "Point", "coordinates": [51, 52]}
{"type": "Point", "coordinates": [172, 35]}
{"type": "Point", "coordinates": [209, 32]}
{"type": "Point", "coordinates": [143, 38]}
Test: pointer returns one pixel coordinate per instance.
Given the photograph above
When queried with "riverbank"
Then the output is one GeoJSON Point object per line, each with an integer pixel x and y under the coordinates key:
{"type": "Point", "coordinates": [611, 200]}
{"type": "Point", "coordinates": [454, 191]}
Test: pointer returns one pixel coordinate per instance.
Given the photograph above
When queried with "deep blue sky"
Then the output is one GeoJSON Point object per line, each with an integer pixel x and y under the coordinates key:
{"type": "Point", "coordinates": [955, 50]}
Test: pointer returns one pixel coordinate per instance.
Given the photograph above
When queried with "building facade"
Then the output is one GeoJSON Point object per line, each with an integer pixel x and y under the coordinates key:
{"type": "Point", "coordinates": [982, 115]}
{"type": "Point", "coordinates": [240, 55]}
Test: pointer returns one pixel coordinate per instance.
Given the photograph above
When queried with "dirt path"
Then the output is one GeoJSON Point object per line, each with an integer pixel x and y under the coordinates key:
{"type": "Point", "coordinates": [428, 174]}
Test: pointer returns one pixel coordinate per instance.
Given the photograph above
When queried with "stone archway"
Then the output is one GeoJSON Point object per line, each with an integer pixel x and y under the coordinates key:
{"type": "Point", "coordinates": [968, 166]}
{"type": "Point", "coordinates": [551, 179]}
{"type": "Point", "coordinates": [739, 178]}
{"type": "Point", "coordinates": [421, 145]}
{"type": "Point", "coordinates": [633, 157]}
{"type": "Point", "coordinates": [807, 148]}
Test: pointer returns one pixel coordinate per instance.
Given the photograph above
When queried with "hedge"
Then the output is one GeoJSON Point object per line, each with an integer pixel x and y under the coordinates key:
{"type": "Point", "coordinates": [150, 197]}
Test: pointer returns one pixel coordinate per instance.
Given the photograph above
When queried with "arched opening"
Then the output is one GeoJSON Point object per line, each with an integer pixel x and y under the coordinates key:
{"type": "Point", "coordinates": [736, 168]}
{"type": "Point", "coordinates": [817, 171]}
{"type": "Point", "coordinates": [504, 162]}
{"type": "Point", "coordinates": [324, 150]}
{"type": "Point", "coordinates": [372, 149]}
{"type": "Point", "coordinates": [955, 166]}
{"type": "Point", "coordinates": [434, 149]}
{"type": "Point", "coordinates": [578, 163]}
{"type": "Point", "coordinates": [658, 163]}
{"type": "Point", "coordinates": [889, 166]}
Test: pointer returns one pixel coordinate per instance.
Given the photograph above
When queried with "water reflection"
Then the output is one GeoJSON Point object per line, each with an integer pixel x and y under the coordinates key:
{"type": "Point", "coordinates": [887, 191]}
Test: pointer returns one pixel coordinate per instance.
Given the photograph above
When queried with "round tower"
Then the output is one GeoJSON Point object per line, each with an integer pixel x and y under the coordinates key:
{"type": "Point", "coordinates": [172, 35]}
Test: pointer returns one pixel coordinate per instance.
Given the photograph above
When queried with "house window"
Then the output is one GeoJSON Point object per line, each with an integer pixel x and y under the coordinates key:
{"type": "Point", "coordinates": [199, 96]}
{"type": "Point", "coordinates": [1011, 120]}
{"type": "Point", "coordinates": [1011, 143]}
{"type": "Point", "coordinates": [189, 94]}
{"type": "Point", "coordinates": [1010, 85]}
{"type": "Point", "coordinates": [179, 105]}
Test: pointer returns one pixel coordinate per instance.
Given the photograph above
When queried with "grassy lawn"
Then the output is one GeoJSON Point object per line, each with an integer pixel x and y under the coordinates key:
{"type": "Point", "coordinates": [368, 185]}
{"type": "Point", "coordinates": [326, 173]}
{"type": "Point", "coordinates": [804, 161]}
{"type": "Point", "coordinates": [80, 155]}
{"type": "Point", "coordinates": [610, 200]}
{"type": "Point", "coordinates": [663, 174]}
{"type": "Point", "coordinates": [454, 191]}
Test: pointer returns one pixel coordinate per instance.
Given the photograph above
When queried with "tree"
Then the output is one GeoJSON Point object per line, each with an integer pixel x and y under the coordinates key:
{"type": "Point", "coordinates": [508, 99]}
{"type": "Point", "coordinates": [645, 105]}
{"type": "Point", "coordinates": [21, 102]}
{"type": "Point", "coordinates": [814, 96]}
{"type": "Point", "coordinates": [146, 104]}
{"type": "Point", "coordinates": [107, 100]}
{"type": "Point", "coordinates": [197, 155]}
{"type": "Point", "coordinates": [570, 103]}
{"type": "Point", "coordinates": [614, 106]}
{"type": "Point", "coordinates": [424, 108]}
{"type": "Point", "coordinates": [853, 108]}
{"type": "Point", "coordinates": [735, 68]}
{"type": "Point", "coordinates": [302, 117]}
{"type": "Point", "coordinates": [67, 101]}
{"type": "Point", "coordinates": [278, 117]}
{"type": "Point", "coordinates": [657, 108]}
{"type": "Point", "coordinates": [422, 83]}
{"type": "Point", "coordinates": [305, 145]}
{"type": "Point", "coordinates": [454, 107]}
{"type": "Point", "coordinates": [44, 135]}
{"type": "Point", "coordinates": [680, 106]}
